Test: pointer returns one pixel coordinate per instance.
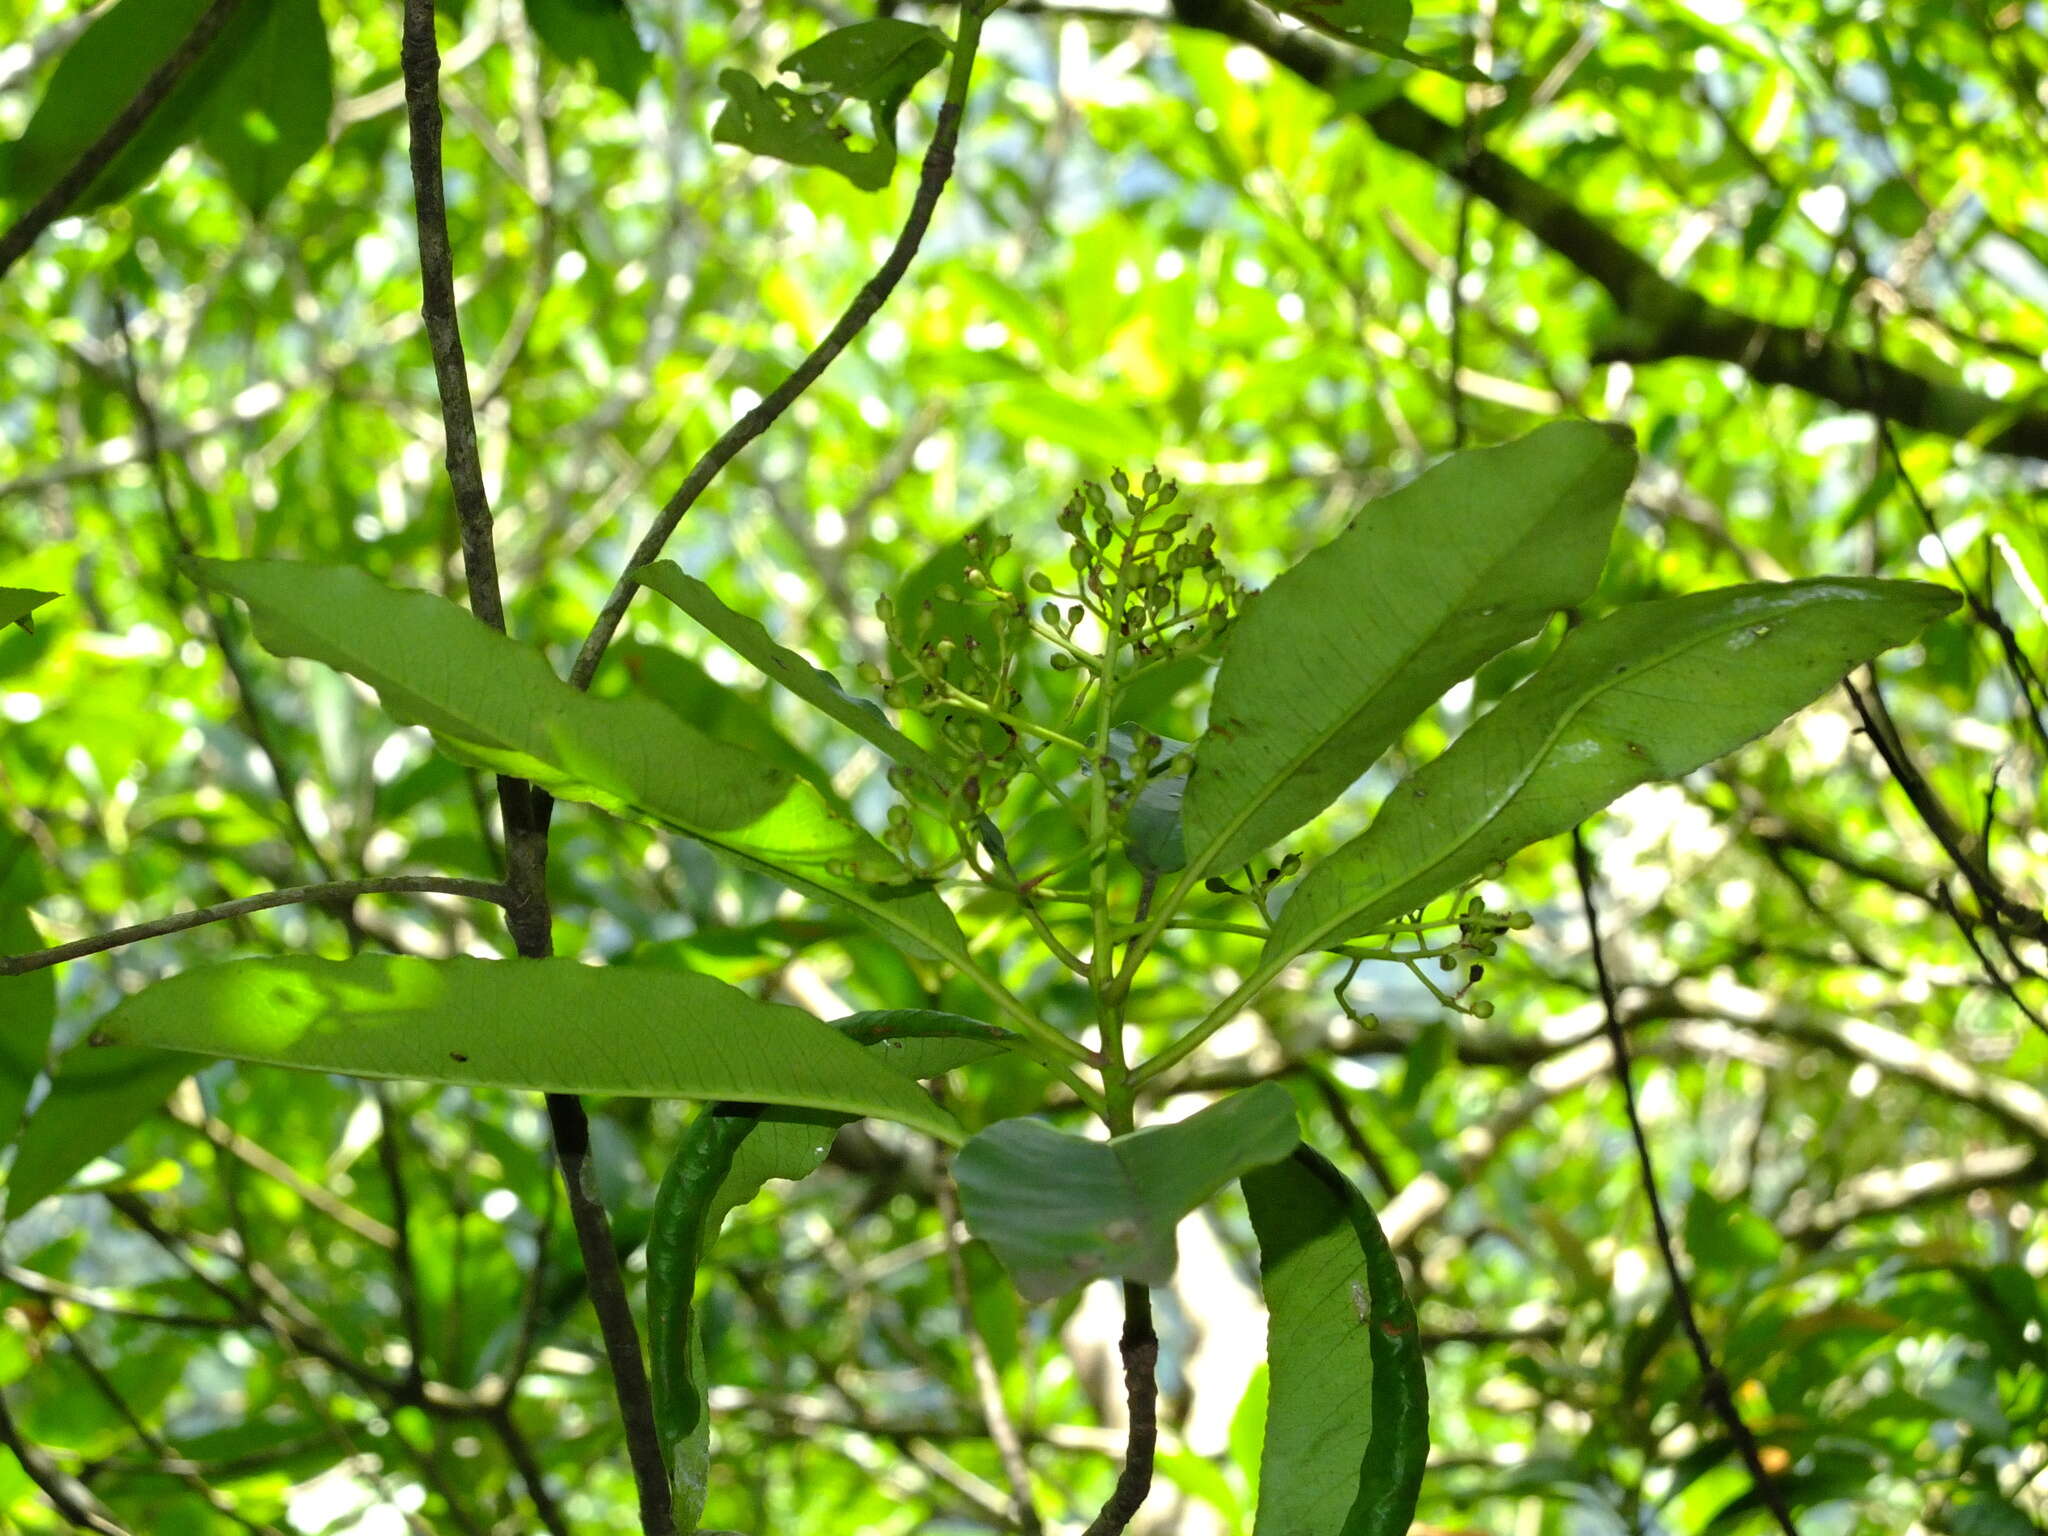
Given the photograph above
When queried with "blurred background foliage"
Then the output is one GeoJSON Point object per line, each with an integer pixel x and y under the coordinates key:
{"type": "Point", "coordinates": [1200, 240]}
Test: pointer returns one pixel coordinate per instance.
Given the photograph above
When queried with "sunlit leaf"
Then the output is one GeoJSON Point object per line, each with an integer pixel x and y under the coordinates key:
{"type": "Point", "coordinates": [1347, 1418]}
{"type": "Point", "coordinates": [1330, 664]}
{"type": "Point", "coordinates": [1651, 692]}
{"type": "Point", "coordinates": [553, 1025]}
{"type": "Point", "coordinates": [497, 703]}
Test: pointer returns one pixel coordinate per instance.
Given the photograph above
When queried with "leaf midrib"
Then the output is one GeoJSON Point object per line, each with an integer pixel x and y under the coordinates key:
{"type": "Point", "coordinates": [1536, 760]}
{"type": "Point", "coordinates": [1199, 866]}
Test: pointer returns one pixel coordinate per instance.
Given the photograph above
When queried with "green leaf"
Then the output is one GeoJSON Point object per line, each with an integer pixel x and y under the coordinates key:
{"type": "Point", "coordinates": [1330, 664]}
{"type": "Point", "coordinates": [28, 1004]}
{"type": "Point", "coordinates": [98, 76]}
{"type": "Point", "coordinates": [752, 643]}
{"type": "Point", "coordinates": [1152, 820]}
{"type": "Point", "coordinates": [553, 1025]}
{"type": "Point", "coordinates": [18, 604]}
{"type": "Point", "coordinates": [270, 114]}
{"type": "Point", "coordinates": [1347, 1418]}
{"type": "Point", "coordinates": [1651, 692]}
{"type": "Point", "coordinates": [877, 62]}
{"type": "Point", "coordinates": [727, 1155]}
{"type": "Point", "coordinates": [687, 690]}
{"type": "Point", "coordinates": [1374, 23]}
{"type": "Point", "coordinates": [97, 1096]}
{"type": "Point", "coordinates": [497, 703]}
{"type": "Point", "coordinates": [1062, 1210]}
{"type": "Point", "coordinates": [599, 32]}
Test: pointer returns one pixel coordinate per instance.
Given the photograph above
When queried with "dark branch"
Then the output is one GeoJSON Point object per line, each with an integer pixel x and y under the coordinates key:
{"type": "Point", "coordinates": [937, 170]}
{"type": "Point", "coordinates": [1713, 1384]}
{"type": "Point", "coordinates": [1659, 318]}
{"type": "Point", "coordinates": [50, 207]}
{"type": "Point", "coordinates": [1140, 1347]}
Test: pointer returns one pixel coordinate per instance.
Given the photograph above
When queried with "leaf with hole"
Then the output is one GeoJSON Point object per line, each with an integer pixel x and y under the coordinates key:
{"type": "Point", "coordinates": [1326, 668]}
{"type": "Point", "coordinates": [876, 62]}
{"type": "Point", "coordinates": [1062, 1210]}
{"type": "Point", "coordinates": [497, 703]}
{"type": "Point", "coordinates": [1651, 692]}
{"type": "Point", "coordinates": [557, 1026]}
{"type": "Point", "coordinates": [1347, 1416]}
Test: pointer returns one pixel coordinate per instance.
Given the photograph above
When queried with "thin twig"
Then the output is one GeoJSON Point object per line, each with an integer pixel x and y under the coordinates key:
{"type": "Point", "coordinates": [1139, 1345]}
{"type": "Point", "coordinates": [607, 1283]}
{"type": "Point", "coordinates": [1713, 1385]}
{"type": "Point", "coordinates": [298, 895]}
{"type": "Point", "coordinates": [404, 1275]}
{"type": "Point", "coordinates": [101, 153]}
{"type": "Point", "coordinates": [987, 1384]}
{"type": "Point", "coordinates": [71, 1498]}
{"type": "Point", "coordinates": [938, 168]}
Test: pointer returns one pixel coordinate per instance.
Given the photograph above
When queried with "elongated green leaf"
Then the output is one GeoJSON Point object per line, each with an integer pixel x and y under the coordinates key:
{"type": "Point", "coordinates": [728, 1154]}
{"type": "Point", "coordinates": [554, 1025]}
{"type": "Point", "coordinates": [1651, 692]}
{"type": "Point", "coordinates": [1375, 23]}
{"type": "Point", "coordinates": [1330, 664]}
{"type": "Point", "coordinates": [495, 702]}
{"type": "Point", "coordinates": [97, 1096]}
{"type": "Point", "coordinates": [269, 116]}
{"type": "Point", "coordinates": [688, 690]}
{"type": "Point", "coordinates": [1347, 1417]}
{"type": "Point", "coordinates": [98, 76]}
{"type": "Point", "coordinates": [1062, 1210]}
{"type": "Point", "coordinates": [877, 62]}
{"type": "Point", "coordinates": [28, 1004]}
{"type": "Point", "coordinates": [599, 32]}
{"type": "Point", "coordinates": [815, 686]}
{"type": "Point", "coordinates": [18, 604]}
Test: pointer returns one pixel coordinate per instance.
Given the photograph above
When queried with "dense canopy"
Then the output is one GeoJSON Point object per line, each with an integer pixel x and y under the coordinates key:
{"type": "Point", "coordinates": [1799, 248]}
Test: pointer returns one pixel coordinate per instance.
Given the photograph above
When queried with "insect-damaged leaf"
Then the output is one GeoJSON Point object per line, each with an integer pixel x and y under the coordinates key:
{"type": "Point", "coordinates": [1062, 1210]}
{"type": "Point", "coordinates": [876, 62]}
{"type": "Point", "coordinates": [497, 703]}
{"type": "Point", "coordinates": [1651, 692]}
{"type": "Point", "coordinates": [553, 1025]}
{"type": "Point", "coordinates": [1326, 667]}
{"type": "Point", "coordinates": [1347, 1416]}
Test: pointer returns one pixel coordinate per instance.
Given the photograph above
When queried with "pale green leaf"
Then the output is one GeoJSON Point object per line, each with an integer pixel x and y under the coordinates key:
{"type": "Point", "coordinates": [548, 1025]}
{"type": "Point", "coordinates": [753, 644]}
{"type": "Point", "coordinates": [1347, 1415]}
{"type": "Point", "coordinates": [1062, 1210]}
{"type": "Point", "coordinates": [1328, 666]}
{"type": "Point", "coordinates": [497, 703]}
{"type": "Point", "coordinates": [97, 1096]}
{"type": "Point", "coordinates": [18, 605]}
{"type": "Point", "coordinates": [1651, 692]}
